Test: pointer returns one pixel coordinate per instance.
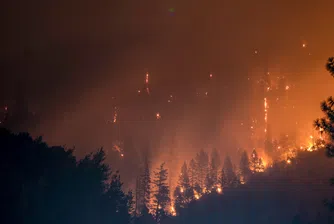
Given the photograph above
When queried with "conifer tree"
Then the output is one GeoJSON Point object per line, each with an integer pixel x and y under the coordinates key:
{"type": "Point", "coordinates": [192, 173]}
{"type": "Point", "coordinates": [183, 193]}
{"type": "Point", "coordinates": [146, 184]}
{"type": "Point", "coordinates": [255, 162]}
{"type": "Point", "coordinates": [212, 176]}
{"type": "Point", "coordinates": [228, 174]}
{"type": "Point", "coordinates": [161, 198]}
{"type": "Point", "coordinates": [244, 166]}
{"type": "Point", "coordinates": [326, 125]}
{"type": "Point", "coordinates": [202, 165]}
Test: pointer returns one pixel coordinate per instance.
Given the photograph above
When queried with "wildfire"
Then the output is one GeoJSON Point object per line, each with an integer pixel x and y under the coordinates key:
{"type": "Point", "coordinates": [172, 211]}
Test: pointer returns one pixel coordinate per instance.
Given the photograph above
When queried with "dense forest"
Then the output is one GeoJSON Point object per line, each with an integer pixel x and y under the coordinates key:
{"type": "Point", "coordinates": [48, 184]}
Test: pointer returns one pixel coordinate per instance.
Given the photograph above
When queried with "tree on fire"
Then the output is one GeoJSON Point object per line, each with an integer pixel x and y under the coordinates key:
{"type": "Point", "coordinates": [161, 199]}
{"type": "Point", "coordinates": [183, 193]}
{"type": "Point", "coordinates": [256, 163]}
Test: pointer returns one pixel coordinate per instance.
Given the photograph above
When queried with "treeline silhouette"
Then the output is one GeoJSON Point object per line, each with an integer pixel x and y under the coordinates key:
{"type": "Point", "coordinates": [45, 184]}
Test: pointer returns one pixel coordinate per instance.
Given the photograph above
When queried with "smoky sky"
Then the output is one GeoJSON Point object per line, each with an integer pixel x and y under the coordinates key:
{"type": "Point", "coordinates": [73, 56]}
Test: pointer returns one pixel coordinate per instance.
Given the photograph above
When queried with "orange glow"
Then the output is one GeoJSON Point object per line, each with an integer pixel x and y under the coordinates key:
{"type": "Point", "coordinates": [219, 190]}
{"type": "Point", "coordinates": [288, 161]}
{"type": "Point", "coordinates": [158, 116]}
{"type": "Point", "coordinates": [287, 87]}
{"type": "Point", "coordinates": [146, 78]}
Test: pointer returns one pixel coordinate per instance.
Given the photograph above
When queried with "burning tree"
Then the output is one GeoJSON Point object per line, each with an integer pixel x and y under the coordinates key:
{"type": "Point", "coordinates": [256, 163]}
{"type": "Point", "coordinates": [161, 198]}
{"type": "Point", "coordinates": [184, 192]}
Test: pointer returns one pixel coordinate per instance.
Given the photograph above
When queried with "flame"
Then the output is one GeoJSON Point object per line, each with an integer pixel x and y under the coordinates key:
{"type": "Point", "coordinates": [219, 190]}
{"type": "Point", "coordinates": [181, 189]}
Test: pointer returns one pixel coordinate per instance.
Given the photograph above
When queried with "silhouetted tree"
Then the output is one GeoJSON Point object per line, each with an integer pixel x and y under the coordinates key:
{"type": "Point", "coordinates": [330, 65]}
{"type": "Point", "coordinates": [143, 192]}
{"type": "Point", "coordinates": [145, 217]}
{"type": "Point", "coordinates": [161, 198]}
{"type": "Point", "coordinates": [192, 173]}
{"type": "Point", "coordinates": [228, 176]}
{"type": "Point", "coordinates": [326, 125]}
{"type": "Point", "coordinates": [183, 193]}
{"type": "Point", "coordinates": [117, 205]}
{"type": "Point", "coordinates": [244, 166]}
{"type": "Point", "coordinates": [202, 165]}
{"type": "Point", "coordinates": [214, 167]}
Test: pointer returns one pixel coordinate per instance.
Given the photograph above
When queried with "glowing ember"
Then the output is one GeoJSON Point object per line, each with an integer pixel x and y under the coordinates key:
{"type": "Point", "coordinates": [181, 189]}
{"type": "Point", "coordinates": [210, 75]}
{"type": "Point", "coordinates": [219, 190]}
{"type": "Point", "coordinates": [287, 87]}
{"type": "Point", "coordinates": [158, 116]}
{"type": "Point", "coordinates": [146, 78]}
{"type": "Point", "coordinates": [288, 161]}
{"type": "Point", "coordinates": [122, 155]}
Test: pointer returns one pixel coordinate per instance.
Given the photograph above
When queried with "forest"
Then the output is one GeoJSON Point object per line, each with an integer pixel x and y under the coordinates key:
{"type": "Point", "coordinates": [48, 184]}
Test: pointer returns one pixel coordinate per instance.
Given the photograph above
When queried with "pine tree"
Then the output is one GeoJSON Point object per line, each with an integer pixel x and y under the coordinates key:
{"type": "Point", "coordinates": [255, 165]}
{"type": "Point", "coordinates": [161, 198]}
{"type": "Point", "coordinates": [183, 193]}
{"type": "Point", "coordinates": [117, 205]}
{"type": "Point", "coordinates": [202, 165]}
{"type": "Point", "coordinates": [192, 173]}
{"type": "Point", "coordinates": [244, 167]}
{"type": "Point", "coordinates": [228, 174]}
{"type": "Point", "coordinates": [146, 184]}
{"type": "Point", "coordinates": [326, 125]}
{"type": "Point", "coordinates": [143, 188]}
{"type": "Point", "coordinates": [212, 176]}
